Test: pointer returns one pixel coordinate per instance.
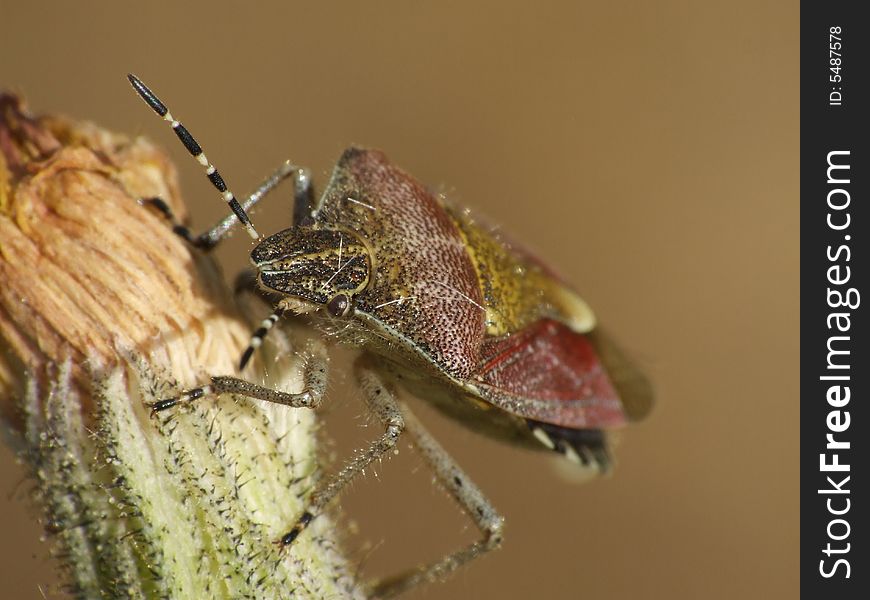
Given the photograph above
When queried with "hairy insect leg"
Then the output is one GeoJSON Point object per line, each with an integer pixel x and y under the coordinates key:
{"type": "Point", "coordinates": [470, 499]}
{"type": "Point", "coordinates": [302, 193]}
{"type": "Point", "coordinates": [303, 197]}
{"type": "Point", "coordinates": [315, 373]}
{"type": "Point", "coordinates": [385, 406]}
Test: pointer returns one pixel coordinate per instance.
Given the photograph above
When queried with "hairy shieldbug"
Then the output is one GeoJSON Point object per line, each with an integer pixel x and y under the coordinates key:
{"type": "Point", "coordinates": [437, 302]}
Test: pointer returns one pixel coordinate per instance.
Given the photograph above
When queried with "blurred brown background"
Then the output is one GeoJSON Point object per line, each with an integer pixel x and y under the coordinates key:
{"type": "Point", "coordinates": [648, 150]}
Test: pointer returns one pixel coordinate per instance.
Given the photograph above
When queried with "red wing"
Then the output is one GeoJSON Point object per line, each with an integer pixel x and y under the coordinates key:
{"type": "Point", "coordinates": [549, 373]}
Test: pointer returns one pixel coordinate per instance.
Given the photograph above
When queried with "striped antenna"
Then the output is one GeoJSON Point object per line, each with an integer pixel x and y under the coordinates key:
{"type": "Point", "coordinates": [194, 148]}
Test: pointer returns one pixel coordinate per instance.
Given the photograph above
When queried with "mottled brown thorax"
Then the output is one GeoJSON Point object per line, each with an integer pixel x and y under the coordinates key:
{"type": "Point", "coordinates": [424, 286]}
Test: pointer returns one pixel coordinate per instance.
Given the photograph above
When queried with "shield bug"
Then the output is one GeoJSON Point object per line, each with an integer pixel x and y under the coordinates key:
{"type": "Point", "coordinates": [438, 303]}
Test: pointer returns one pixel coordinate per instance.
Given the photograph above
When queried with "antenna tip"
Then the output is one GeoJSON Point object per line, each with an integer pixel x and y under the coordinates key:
{"type": "Point", "coordinates": [252, 232]}
{"type": "Point", "coordinates": [135, 81]}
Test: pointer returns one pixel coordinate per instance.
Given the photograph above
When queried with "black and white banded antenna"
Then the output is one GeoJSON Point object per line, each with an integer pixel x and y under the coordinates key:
{"type": "Point", "coordinates": [195, 150]}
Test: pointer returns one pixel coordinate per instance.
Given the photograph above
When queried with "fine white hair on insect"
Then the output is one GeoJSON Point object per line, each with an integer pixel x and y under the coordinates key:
{"type": "Point", "coordinates": [338, 331]}
{"type": "Point", "coordinates": [460, 294]}
{"type": "Point", "coordinates": [360, 202]}
{"type": "Point", "coordinates": [396, 301]}
{"type": "Point", "coordinates": [334, 275]}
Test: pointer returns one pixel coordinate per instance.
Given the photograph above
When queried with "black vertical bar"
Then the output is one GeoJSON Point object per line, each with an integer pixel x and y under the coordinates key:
{"type": "Point", "coordinates": [835, 371]}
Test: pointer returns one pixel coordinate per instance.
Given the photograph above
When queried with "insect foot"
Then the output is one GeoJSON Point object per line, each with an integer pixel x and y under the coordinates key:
{"type": "Point", "coordinates": [101, 304]}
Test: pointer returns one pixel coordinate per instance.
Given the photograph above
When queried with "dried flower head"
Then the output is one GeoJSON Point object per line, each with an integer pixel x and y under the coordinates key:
{"type": "Point", "coordinates": [103, 309]}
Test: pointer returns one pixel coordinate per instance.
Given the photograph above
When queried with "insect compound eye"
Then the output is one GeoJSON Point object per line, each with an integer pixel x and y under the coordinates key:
{"type": "Point", "coordinates": [339, 306]}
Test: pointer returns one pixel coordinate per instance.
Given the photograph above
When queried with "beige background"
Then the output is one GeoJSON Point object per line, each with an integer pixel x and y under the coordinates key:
{"type": "Point", "coordinates": [648, 150]}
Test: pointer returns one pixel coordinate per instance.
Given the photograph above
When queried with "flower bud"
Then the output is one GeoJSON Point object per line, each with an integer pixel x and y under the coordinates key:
{"type": "Point", "coordinates": [103, 310]}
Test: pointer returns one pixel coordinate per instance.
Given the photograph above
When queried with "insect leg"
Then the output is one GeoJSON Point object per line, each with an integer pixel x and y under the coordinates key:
{"type": "Point", "coordinates": [303, 197]}
{"type": "Point", "coordinates": [210, 238]}
{"type": "Point", "coordinates": [314, 377]}
{"type": "Point", "coordinates": [195, 150]}
{"type": "Point", "coordinates": [301, 188]}
{"type": "Point", "coordinates": [470, 499]}
{"type": "Point", "coordinates": [382, 402]}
